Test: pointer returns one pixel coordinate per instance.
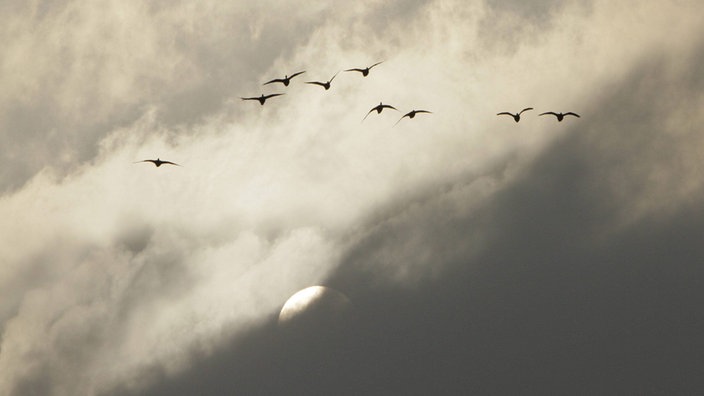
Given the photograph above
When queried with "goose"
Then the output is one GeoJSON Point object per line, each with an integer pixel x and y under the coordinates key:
{"type": "Point", "coordinates": [286, 80]}
{"type": "Point", "coordinates": [158, 162]}
{"type": "Point", "coordinates": [325, 85]}
{"type": "Point", "coordinates": [560, 116]}
{"type": "Point", "coordinates": [517, 116]}
{"type": "Point", "coordinates": [263, 98]}
{"type": "Point", "coordinates": [412, 114]}
{"type": "Point", "coordinates": [378, 109]}
{"type": "Point", "coordinates": [365, 71]}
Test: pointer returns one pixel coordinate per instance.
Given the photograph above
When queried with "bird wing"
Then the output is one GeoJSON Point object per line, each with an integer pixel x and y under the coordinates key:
{"type": "Point", "coordinates": [548, 112]}
{"type": "Point", "coordinates": [424, 111]}
{"type": "Point", "coordinates": [571, 113]}
{"type": "Point", "coordinates": [147, 160]}
{"type": "Point", "coordinates": [333, 77]}
{"type": "Point", "coordinates": [249, 98]}
{"type": "Point", "coordinates": [526, 109]}
{"type": "Point", "coordinates": [295, 74]}
{"type": "Point", "coordinates": [389, 106]}
{"type": "Point", "coordinates": [281, 80]}
{"type": "Point", "coordinates": [170, 163]}
{"type": "Point", "coordinates": [272, 95]}
{"type": "Point", "coordinates": [505, 113]}
{"type": "Point", "coordinates": [378, 63]}
{"type": "Point", "coordinates": [370, 111]}
{"type": "Point", "coordinates": [316, 83]}
{"type": "Point", "coordinates": [359, 70]}
{"type": "Point", "coordinates": [404, 116]}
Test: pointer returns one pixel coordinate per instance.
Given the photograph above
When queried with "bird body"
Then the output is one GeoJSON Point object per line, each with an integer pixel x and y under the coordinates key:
{"type": "Point", "coordinates": [517, 116]}
{"type": "Point", "coordinates": [412, 114]}
{"type": "Point", "coordinates": [286, 80]}
{"type": "Point", "coordinates": [325, 85]}
{"type": "Point", "coordinates": [365, 71]}
{"type": "Point", "coordinates": [378, 109]}
{"type": "Point", "coordinates": [560, 116]}
{"type": "Point", "coordinates": [263, 98]}
{"type": "Point", "coordinates": [158, 162]}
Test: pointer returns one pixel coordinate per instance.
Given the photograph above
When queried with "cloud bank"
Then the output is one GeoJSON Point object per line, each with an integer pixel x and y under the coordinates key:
{"type": "Point", "coordinates": [123, 278]}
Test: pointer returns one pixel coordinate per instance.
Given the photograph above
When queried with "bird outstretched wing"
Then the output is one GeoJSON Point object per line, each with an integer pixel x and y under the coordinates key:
{"type": "Point", "coordinates": [378, 63]}
{"type": "Point", "coordinates": [548, 112]}
{"type": "Point", "coordinates": [281, 80]}
{"type": "Point", "coordinates": [505, 113]}
{"type": "Point", "coordinates": [370, 111]}
{"type": "Point", "coordinates": [526, 109]}
{"type": "Point", "coordinates": [316, 83]}
{"type": "Point", "coordinates": [571, 113]}
{"type": "Point", "coordinates": [296, 74]}
{"type": "Point", "coordinates": [272, 95]}
{"type": "Point", "coordinates": [402, 117]}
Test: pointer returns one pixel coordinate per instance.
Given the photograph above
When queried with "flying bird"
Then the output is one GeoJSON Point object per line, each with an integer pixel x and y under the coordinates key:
{"type": "Point", "coordinates": [364, 71]}
{"type": "Point", "coordinates": [560, 116]}
{"type": "Point", "coordinates": [378, 109]}
{"type": "Point", "coordinates": [263, 98]}
{"type": "Point", "coordinates": [517, 116]}
{"type": "Point", "coordinates": [325, 85]}
{"type": "Point", "coordinates": [412, 114]}
{"type": "Point", "coordinates": [158, 162]}
{"type": "Point", "coordinates": [286, 80]}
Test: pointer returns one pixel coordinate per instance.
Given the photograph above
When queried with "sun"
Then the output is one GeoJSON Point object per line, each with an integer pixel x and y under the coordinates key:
{"type": "Point", "coordinates": [314, 303]}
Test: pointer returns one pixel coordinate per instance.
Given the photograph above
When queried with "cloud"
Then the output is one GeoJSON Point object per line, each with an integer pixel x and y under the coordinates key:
{"type": "Point", "coordinates": [73, 72]}
{"type": "Point", "coordinates": [540, 280]}
{"type": "Point", "coordinates": [119, 276]}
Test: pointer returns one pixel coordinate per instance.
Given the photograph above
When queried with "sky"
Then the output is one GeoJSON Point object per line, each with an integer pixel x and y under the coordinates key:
{"type": "Point", "coordinates": [478, 255]}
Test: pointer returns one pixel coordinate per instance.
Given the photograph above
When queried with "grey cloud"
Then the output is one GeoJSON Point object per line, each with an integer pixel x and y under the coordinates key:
{"type": "Point", "coordinates": [76, 317]}
{"type": "Point", "coordinates": [509, 24]}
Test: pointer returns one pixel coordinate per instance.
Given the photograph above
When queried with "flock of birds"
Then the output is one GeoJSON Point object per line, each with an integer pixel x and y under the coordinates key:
{"type": "Point", "coordinates": [326, 85]}
{"type": "Point", "coordinates": [286, 80]}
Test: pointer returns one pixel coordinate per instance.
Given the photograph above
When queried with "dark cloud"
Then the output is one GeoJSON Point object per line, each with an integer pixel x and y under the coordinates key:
{"type": "Point", "coordinates": [572, 290]}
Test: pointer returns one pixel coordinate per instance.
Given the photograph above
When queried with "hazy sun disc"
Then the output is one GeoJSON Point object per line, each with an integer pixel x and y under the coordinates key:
{"type": "Point", "coordinates": [314, 303]}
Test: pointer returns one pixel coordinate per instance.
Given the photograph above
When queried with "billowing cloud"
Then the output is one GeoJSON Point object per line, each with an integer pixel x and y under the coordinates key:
{"type": "Point", "coordinates": [119, 276]}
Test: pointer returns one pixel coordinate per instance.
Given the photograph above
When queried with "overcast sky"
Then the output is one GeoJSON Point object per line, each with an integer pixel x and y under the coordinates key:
{"type": "Point", "coordinates": [479, 255]}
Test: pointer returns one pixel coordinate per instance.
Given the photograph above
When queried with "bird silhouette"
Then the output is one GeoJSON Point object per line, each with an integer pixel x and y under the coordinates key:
{"type": "Point", "coordinates": [517, 116]}
{"type": "Point", "coordinates": [378, 109]}
{"type": "Point", "coordinates": [325, 85]}
{"type": "Point", "coordinates": [412, 114]}
{"type": "Point", "coordinates": [560, 116]}
{"type": "Point", "coordinates": [286, 80]}
{"type": "Point", "coordinates": [263, 98]}
{"type": "Point", "coordinates": [158, 162]}
{"type": "Point", "coordinates": [364, 71]}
